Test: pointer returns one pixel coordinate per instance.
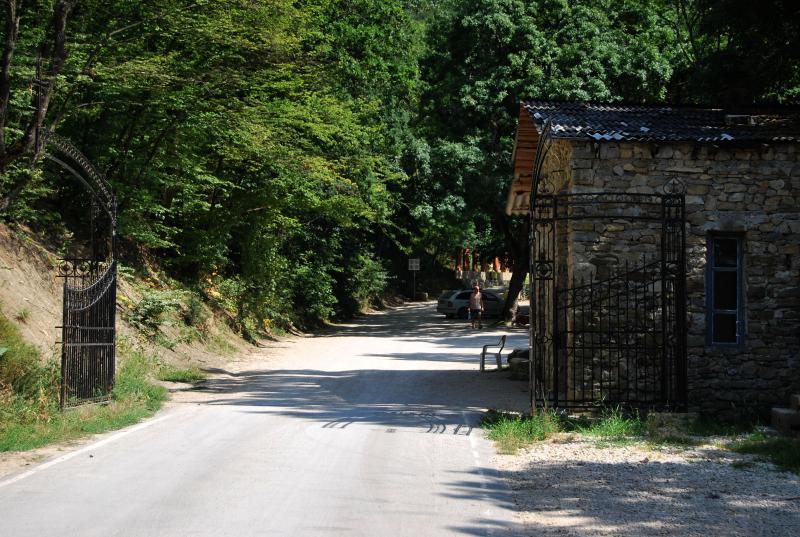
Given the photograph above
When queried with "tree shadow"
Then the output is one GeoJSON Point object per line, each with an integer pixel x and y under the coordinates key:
{"type": "Point", "coordinates": [693, 498]}
{"type": "Point", "coordinates": [373, 395]}
{"type": "Point", "coordinates": [420, 323]}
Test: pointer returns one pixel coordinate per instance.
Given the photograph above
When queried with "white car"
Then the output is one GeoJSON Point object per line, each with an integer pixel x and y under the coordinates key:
{"type": "Point", "coordinates": [455, 303]}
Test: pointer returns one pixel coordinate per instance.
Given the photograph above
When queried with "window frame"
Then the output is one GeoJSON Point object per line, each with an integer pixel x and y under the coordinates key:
{"type": "Point", "coordinates": [711, 270]}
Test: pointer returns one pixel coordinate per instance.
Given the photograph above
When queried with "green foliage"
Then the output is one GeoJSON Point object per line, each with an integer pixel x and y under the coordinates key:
{"type": "Point", "coordinates": [21, 370]}
{"type": "Point", "coordinates": [365, 280]}
{"type": "Point", "coordinates": [614, 425]}
{"type": "Point", "coordinates": [189, 375]}
{"type": "Point", "coordinates": [512, 432]}
{"type": "Point", "coordinates": [22, 315]}
{"type": "Point", "coordinates": [313, 292]}
{"type": "Point", "coordinates": [29, 413]}
{"type": "Point", "coordinates": [294, 153]}
{"type": "Point", "coordinates": [781, 451]}
{"type": "Point", "coordinates": [149, 313]}
{"type": "Point", "coordinates": [735, 52]}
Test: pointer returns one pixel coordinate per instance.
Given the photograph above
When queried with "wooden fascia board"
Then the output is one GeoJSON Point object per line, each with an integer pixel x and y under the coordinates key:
{"type": "Point", "coordinates": [523, 157]}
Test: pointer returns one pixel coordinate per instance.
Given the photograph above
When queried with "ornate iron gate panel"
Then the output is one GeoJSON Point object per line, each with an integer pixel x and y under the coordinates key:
{"type": "Point", "coordinates": [608, 300]}
{"type": "Point", "coordinates": [88, 354]}
{"type": "Point", "coordinates": [88, 330]}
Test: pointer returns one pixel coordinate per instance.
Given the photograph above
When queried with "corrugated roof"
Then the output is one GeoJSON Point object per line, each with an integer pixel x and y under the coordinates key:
{"type": "Point", "coordinates": [663, 123]}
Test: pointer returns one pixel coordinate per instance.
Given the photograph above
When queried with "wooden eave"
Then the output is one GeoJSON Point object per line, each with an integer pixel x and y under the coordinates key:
{"type": "Point", "coordinates": [523, 156]}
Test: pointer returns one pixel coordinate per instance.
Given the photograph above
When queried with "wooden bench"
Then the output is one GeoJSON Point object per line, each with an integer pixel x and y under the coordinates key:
{"type": "Point", "coordinates": [497, 355]}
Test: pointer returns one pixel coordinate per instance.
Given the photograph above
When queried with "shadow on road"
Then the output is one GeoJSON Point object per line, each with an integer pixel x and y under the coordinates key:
{"type": "Point", "coordinates": [366, 394]}
{"type": "Point", "coordinates": [420, 376]}
{"type": "Point", "coordinates": [420, 322]}
{"type": "Point", "coordinates": [629, 499]}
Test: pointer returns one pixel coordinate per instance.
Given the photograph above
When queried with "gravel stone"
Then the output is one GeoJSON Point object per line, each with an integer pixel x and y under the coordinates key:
{"type": "Point", "coordinates": [575, 488]}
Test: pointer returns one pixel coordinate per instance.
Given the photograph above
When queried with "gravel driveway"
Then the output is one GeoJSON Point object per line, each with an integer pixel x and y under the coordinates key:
{"type": "Point", "coordinates": [573, 488]}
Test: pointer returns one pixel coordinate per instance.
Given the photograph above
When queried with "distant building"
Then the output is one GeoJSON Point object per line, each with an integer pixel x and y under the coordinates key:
{"type": "Point", "coordinates": [611, 237]}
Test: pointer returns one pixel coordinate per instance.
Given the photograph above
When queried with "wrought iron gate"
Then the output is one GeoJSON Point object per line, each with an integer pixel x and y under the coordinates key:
{"type": "Point", "coordinates": [608, 297]}
{"type": "Point", "coordinates": [88, 330]}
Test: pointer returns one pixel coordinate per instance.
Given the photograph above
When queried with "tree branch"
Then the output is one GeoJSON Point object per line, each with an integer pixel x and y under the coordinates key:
{"type": "Point", "coordinates": [13, 13]}
{"type": "Point", "coordinates": [55, 48]}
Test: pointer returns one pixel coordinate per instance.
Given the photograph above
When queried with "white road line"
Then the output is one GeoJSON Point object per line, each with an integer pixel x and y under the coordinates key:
{"type": "Point", "coordinates": [473, 443]}
{"type": "Point", "coordinates": [90, 447]}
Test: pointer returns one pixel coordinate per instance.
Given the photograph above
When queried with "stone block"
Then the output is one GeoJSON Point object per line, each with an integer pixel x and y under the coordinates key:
{"type": "Point", "coordinates": [794, 401]}
{"type": "Point", "coordinates": [786, 420]}
{"type": "Point", "coordinates": [665, 152]}
{"type": "Point", "coordinates": [609, 150]}
{"type": "Point", "coordinates": [734, 187]}
{"type": "Point", "coordinates": [684, 169]}
{"type": "Point", "coordinates": [642, 151]}
{"type": "Point", "coordinates": [697, 190]}
{"type": "Point", "coordinates": [583, 175]}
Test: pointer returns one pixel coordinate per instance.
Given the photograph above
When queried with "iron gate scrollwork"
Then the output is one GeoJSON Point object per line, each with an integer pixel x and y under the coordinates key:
{"type": "Point", "coordinates": [608, 297]}
{"type": "Point", "coordinates": [88, 330]}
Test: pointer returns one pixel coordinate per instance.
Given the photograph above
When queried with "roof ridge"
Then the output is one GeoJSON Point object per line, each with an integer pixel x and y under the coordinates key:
{"type": "Point", "coordinates": [616, 121]}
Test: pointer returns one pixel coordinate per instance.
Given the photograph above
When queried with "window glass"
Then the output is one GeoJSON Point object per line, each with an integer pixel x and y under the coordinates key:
{"type": "Point", "coordinates": [725, 311]}
{"type": "Point", "coordinates": [489, 296]}
{"type": "Point", "coordinates": [725, 291]}
{"type": "Point", "coordinates": [725, 328]}
{"type": "Point", "coordinates": [464, 296]}
{"type": "Point", "coordinates": [725, 254]}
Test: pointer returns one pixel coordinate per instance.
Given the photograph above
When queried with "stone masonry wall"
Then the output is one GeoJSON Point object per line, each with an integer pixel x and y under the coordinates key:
{"type": "Point", "coordinates": [753, 190]}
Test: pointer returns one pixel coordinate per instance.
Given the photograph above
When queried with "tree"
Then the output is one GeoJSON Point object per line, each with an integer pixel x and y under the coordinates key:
{"type": "Point", "coordinates": [734, 52]}
{"type": "Point", "coordinates": [50, 52]}
{"type": "Point", "coordinates": [487, 55]}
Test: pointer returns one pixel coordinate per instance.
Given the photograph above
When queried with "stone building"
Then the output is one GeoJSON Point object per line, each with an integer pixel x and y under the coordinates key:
{"type": "Point", "coordinates": [739, 174]}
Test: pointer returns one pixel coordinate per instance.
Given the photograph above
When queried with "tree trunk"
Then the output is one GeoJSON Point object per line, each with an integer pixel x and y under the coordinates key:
{"type": "Point", "coordinates": [517, 240]}
{"type": "Point", "coordinates": [11, 31]}
{"type": "Point", "coordinates": [515, 286]}
{"type": "Point", "coordinates": [57, 53]}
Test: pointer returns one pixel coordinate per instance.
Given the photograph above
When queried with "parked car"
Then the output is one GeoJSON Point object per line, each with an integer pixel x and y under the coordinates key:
{"type": "Point", "coordinates": [455, 303]}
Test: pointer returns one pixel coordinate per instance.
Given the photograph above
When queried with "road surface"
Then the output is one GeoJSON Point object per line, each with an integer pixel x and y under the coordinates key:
{"type": "Point", "coordinates": [364, 430]}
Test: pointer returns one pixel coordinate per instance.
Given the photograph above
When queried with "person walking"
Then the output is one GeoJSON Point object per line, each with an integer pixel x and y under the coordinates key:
{"type": "Point", "coordinates": [476, 305]}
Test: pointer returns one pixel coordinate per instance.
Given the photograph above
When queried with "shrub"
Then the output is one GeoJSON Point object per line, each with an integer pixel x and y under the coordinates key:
{"type": "Point", "coordinates": [149, 313]}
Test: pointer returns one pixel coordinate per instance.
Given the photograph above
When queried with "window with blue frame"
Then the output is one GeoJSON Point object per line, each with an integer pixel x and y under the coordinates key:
{"type": "Point", "coordinates": [724, 290]}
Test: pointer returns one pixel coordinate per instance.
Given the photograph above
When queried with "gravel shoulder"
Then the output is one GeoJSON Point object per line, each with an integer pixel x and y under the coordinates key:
{"type": "Point", "coordinates": [571, 487]}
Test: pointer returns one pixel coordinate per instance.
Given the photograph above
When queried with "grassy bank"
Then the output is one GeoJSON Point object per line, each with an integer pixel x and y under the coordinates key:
{"type": "Point", "coordinates": [614, 428]}
{"type": "Point", "coordinates": [29, 412]}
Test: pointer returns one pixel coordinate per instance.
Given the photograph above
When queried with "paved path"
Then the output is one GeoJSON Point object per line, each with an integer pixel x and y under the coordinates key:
{"type": "Point", "coordinates": [367, 430]}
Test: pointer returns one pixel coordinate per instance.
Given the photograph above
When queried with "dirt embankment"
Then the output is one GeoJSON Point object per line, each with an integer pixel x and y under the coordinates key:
{"type": "Point", "coordinates": [30, 292]}
{"type": "Point", "coordinates": [31, 296]}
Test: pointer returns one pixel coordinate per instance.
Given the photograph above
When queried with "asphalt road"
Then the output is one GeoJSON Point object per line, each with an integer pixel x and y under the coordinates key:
{"type": "Point", "coordinates": [366, 430]}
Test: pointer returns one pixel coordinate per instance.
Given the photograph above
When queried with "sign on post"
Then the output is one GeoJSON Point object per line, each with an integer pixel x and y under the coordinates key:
{"type": "Point", "coordinates": [413, 266]}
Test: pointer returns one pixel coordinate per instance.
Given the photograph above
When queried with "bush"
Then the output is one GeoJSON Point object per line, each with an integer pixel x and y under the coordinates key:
{"type": "Point", "coordinates": [21, 367]}
{"type": "Point", "coordinates": [194, 314]}
{"type": "Point", "coordinates": [365, 281]}
{"type": "Point", "coordinates": [313, 294]}
{"type": "Point", "coordinates": [149, 313]}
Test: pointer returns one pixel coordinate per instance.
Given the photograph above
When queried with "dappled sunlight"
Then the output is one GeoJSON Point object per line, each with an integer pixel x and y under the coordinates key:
{"type": "Point", "coordinates": [631, 494]}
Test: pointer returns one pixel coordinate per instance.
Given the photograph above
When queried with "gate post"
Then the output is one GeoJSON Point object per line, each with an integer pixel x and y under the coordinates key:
{"type": "Point", "coordinates": [673, 261]}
